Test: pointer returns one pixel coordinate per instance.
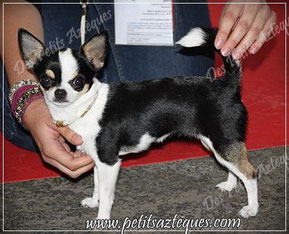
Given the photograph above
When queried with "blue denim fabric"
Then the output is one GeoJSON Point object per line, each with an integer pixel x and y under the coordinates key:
{"type": "Point", "coordinates": [150, 62]}
{"type": "Point", "coordinates": [61, 23]}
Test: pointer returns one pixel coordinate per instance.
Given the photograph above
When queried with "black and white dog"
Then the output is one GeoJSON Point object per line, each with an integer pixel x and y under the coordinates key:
{"type": "Point", "coordinates": [120, 118]}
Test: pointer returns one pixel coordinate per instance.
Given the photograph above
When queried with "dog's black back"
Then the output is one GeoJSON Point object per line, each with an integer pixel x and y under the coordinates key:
{"type": "Point", "coordinates": [186, 106]}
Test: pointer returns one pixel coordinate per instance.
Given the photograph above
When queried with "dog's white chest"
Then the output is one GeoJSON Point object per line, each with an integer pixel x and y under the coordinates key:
{"type": "Point", "coordinates": [89, 131]}
{"type": "Point", "coordinates": [85, 115]}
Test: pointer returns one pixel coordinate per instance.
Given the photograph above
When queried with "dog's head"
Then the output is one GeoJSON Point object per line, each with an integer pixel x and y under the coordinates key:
{"type": "Point", "coordinates": [67, 74]}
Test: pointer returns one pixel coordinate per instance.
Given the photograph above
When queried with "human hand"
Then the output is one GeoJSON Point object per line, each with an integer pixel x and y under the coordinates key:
{"type": "Point", "coordinates": [244, 26]}
{"type": "Point", "coordinates": [51, 143]}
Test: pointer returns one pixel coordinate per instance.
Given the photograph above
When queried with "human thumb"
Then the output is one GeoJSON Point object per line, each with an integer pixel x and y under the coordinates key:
{"type": "Point", "coordinates": [70, 135]}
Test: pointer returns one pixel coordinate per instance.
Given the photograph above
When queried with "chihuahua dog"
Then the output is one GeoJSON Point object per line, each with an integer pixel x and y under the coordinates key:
{"type": "Point", "coordinates": [115, 119]}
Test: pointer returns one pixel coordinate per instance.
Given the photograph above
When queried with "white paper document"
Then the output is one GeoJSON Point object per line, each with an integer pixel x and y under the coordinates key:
{"type": "Point", "coordinates": [139, 22]}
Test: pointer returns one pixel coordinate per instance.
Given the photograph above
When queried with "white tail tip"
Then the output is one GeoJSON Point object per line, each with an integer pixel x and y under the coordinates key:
{"type": "Point", "coordinates": [194, 38]}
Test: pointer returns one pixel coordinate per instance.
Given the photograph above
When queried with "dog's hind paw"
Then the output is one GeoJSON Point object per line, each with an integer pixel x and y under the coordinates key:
{"type": "Point", "coordinates": [89, 202]}
{"type": "Point", "coordinates": [226, 186]}
{"type": "Point", "coordinates": [248, 211]}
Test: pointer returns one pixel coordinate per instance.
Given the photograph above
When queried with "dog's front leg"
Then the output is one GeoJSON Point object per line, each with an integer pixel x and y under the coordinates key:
{"type": "Point", "coordinates": [107, 176]}
{"type": "Point", "coordinates": [92, 202]}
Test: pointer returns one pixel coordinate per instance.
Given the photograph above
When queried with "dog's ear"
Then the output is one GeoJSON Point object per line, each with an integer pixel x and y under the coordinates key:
{"type": "Point", "coordinates": [95, 50]}
{"type": "Point", "coordinates": [31, 48]}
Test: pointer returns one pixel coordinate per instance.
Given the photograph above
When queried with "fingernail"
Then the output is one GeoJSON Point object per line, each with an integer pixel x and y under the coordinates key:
{"type": "Point", "coordinates": [226, 51]}
{"type": "Point", "coordinates": [77, 139]}
{"type": "Point", "coordinates": [253, 50]}
{"type": "Point", "coordinates": [236, 55]}
{"type": "Point", "coordinates": [219, 43]}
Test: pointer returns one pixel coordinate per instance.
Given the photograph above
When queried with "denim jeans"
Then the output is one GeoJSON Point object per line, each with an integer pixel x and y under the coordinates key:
{"type": "Point", "coordinates": [61, 23]}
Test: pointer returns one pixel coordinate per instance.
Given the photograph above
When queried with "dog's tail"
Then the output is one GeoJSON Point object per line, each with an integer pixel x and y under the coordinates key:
{"type": "Point", "coordinates": [205, 37]}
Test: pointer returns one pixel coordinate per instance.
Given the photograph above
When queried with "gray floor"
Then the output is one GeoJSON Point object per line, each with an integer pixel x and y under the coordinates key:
{"type": "Point", "coordinates": [185, 188]}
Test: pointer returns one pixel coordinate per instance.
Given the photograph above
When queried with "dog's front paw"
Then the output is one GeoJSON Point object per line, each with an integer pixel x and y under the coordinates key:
{"type": "Point", "coordinates": [226, 186]}
{"type": "Point", "coordinates": [89, 202]}
{"type": "Point", "coordinates": [248, 211]}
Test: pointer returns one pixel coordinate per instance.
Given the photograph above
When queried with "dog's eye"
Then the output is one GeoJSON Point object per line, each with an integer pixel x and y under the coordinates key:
{"type": "Point", "coordinates": [79, 81]}
{"type": "Point", "coordinates": [45, 81]}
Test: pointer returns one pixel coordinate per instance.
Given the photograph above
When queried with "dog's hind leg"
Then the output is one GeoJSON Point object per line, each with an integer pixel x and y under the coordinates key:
{"type": "Point", "coordinates": [229, 184]}
{"type": "Point", "coordinates": [234, 158]}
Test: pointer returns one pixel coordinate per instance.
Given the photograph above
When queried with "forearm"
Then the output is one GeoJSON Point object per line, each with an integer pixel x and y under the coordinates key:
{"type": "Point", "coordinates": [18, 16]}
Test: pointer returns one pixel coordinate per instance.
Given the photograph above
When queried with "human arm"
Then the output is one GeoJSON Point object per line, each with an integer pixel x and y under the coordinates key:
{"type": "Point", "coordinates": [47, 136]}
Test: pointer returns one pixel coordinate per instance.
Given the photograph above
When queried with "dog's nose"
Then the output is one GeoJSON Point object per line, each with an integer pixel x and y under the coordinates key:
{"type": "Point", "coordinates": [60, 94]}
